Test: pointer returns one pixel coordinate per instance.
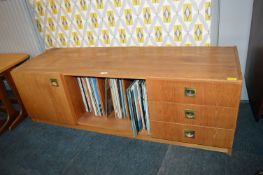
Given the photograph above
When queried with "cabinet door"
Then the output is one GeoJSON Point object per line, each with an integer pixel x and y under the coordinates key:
{"type": "Point", "coordinates": [44, 97]}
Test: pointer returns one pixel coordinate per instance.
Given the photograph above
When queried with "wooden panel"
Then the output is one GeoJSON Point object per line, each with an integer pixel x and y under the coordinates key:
{"type": "Point", "coordinates": [10, 60]}
{"type": "Point", "coordinates": [213, 116]}
{"type": "Point", "coordinates": [207, 93]}
{"type": "Point", "coordinates": [73, 94]}
{"type": "Point", "coordinates": [213, 63]}
{"type": "Point", "coordinates": [109, 122]}
{"type": "Point", "coordinates": [42, 100]}
{"type": "Point", "coordinates": [222, 138]}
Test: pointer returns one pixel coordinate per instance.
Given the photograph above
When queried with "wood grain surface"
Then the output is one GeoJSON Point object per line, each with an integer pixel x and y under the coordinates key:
{"type": "Point", "coordinates": [209, 63]}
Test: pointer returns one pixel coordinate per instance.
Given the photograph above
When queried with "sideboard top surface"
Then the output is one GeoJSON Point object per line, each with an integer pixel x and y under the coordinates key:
{"type": "Point", "coordinates": [201, 63]}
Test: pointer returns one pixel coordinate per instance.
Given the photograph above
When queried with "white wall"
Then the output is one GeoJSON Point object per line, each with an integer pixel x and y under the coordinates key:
{"type": "Point", "coordinates": [17, 34]}
{"type": "Point", "coordinates": [234, 29]}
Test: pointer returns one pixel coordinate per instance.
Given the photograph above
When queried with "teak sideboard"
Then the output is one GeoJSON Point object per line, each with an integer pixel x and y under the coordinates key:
{"type": "Point", "coordinates": [49, 90]}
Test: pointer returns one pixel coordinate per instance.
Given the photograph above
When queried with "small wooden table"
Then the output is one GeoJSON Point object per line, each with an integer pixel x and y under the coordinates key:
{"type": "Point", "coordinates": [7, 63]}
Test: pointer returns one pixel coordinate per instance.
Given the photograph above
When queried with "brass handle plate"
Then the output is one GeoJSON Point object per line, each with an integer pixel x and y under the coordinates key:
{"type": "Point", "coordinates": [189, 134]}
{"type": "Point", "coordinates": [54, 82]}
{"type": "Point", "coordinates": [189, 114]}
{"type": "Point", "coordinates": [190, 92]}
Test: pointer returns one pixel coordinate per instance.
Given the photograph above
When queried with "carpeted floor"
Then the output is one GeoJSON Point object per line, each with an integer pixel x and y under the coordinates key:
{"type": "Point", "coordinates": [35, 148]}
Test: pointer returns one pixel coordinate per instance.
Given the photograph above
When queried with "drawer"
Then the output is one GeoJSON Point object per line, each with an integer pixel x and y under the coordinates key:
{"type": "Point", "coordinates": [224, 93]}
{"type": "Point", "coordinates": [222, 138]}
{"type": "Point", "coordinates": [212, 116]}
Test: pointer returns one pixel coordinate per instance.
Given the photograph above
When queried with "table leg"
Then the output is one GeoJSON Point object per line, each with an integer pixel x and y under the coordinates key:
{"type": "Point", "coordinates": [11, 113]}
{"type": "Point", "coordinates": [22, 113]}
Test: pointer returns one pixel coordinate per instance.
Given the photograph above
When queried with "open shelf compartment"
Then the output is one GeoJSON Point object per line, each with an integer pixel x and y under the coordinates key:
{"type": "Point", "coordinates": [109, 122]}
{"type": "Point", "coordinates": [84, 118]}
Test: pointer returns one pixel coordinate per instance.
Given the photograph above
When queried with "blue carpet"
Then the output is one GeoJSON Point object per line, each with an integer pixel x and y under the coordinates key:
{"type": "Point", "coordinates": [35, 148]}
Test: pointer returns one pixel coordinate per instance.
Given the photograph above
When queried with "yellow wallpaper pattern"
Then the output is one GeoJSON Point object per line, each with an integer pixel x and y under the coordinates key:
{"type": "Point", "coordinates": [103, 23]}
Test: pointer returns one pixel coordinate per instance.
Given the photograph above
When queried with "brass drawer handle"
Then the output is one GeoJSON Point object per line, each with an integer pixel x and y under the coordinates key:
{"type": "Point", "coordinates": [189, 114]}
{"type": "Point", "coordinates": [54, 82]}
{"type": "Point", "coordinates": [189, 92]}
{"type": "Point", "coordinates": [189, 134]}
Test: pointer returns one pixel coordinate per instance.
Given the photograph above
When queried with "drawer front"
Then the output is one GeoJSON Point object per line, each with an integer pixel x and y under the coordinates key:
{"type": "Point", "coordinates": [222, 138]}
{"type": "Point", "coordinates": [195, 92]}
{"type": "Point", "coordinates": [212, 116]}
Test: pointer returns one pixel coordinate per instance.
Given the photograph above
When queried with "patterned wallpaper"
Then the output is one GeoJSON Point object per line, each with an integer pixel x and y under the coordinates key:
{"type": "Point", "coordinates": [103, 23]}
